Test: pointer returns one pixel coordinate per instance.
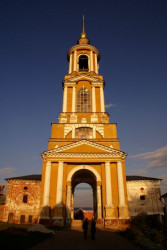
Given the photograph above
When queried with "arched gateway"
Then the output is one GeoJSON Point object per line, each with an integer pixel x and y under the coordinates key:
{"type": "Point", "coordinates": [83, 146]}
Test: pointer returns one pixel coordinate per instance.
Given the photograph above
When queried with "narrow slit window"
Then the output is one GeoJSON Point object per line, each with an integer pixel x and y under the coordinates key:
{"type": "Point", "coordinates": [142, 197]}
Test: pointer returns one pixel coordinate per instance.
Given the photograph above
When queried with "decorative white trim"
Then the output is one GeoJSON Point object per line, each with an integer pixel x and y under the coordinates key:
{"type": "Point", "coordinates": [69, 178]}
{"type": "Point", "coordinates": [108, 185]}
{"type": "Point", "coordinates": [47, 184]}
{"type": "Point", "coordinates": [93, 100]}
{"type": "Point", "coordinates": [70, 64]}
{"type": "Point", "coordinates": [120, 184]}
{"type": "Point", "coordinates": [83, 46]}
{"type": "Point", "coordinates": [96, 69]}
{"type": "Point", "coordinates": [75, 60]}
{"type": "Point", "coordinates": [65, 100]}
{"type": "Point", "coordinates": [86, 76]}
{"type": "Point", "coordinates": [102, 99]}
{"type": "Point", "coordinates": [91, 60]}
{"type": "Point", "coordinates": [59, 195]}
{"type": "Point", "coordinates": [73, 98]}
{"type": "Point", "coordinates": [69, 127]}
{"type": "Point", "coordinates": [110, 152]}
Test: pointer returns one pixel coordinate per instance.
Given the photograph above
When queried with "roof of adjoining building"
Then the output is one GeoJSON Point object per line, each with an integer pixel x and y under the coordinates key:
{"type": "Point", "coordinates": [140, 178]}
{"type": "Point", "coordinates": [37, 177]}
{"type": "Point", "coordinates": [33, 177]}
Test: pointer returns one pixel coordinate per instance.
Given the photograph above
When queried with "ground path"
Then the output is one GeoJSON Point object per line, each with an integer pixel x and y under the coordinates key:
{"type": "Point", "coordinates": [73, 240]}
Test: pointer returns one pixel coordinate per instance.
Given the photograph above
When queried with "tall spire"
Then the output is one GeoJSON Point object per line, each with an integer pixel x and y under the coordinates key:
{"type": "Point", "coordinates": [83, 39]}
{"type": "Point", "coordinates": [83, 34]}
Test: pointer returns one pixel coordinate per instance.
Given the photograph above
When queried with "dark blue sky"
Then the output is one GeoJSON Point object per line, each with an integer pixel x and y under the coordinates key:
{"type": "Point", "coordinates": [35, 37]}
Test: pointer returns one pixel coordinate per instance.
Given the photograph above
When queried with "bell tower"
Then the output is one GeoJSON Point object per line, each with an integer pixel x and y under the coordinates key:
{"type": "Point", "coordinates": [83, 146]}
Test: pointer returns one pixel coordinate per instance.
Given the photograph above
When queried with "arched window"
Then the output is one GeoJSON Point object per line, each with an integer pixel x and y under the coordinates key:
{"type": "Point", "coordinates": [83, 100]}
{"type": "Point", "coordinates": [83, 133]}
{"type": "Point", "coordinates": [83, 63]}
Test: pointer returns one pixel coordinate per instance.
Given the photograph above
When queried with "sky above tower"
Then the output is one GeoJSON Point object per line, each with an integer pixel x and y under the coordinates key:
{"type": "Point", "coordinates": [131, 37]}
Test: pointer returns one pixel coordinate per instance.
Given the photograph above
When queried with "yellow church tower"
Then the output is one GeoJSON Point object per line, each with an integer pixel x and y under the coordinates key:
{"type": "Point", "coordinates": [83, 146]}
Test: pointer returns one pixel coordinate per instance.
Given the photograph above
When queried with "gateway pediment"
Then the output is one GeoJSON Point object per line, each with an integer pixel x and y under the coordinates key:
{"type": "Point", "coordinates": [84, 147]}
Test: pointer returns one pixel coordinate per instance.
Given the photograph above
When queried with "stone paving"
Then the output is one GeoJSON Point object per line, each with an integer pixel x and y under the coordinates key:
{"type": "Point", "coordinates": [73, 240]}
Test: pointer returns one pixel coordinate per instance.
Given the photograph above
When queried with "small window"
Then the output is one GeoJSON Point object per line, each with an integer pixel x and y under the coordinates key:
{"type": "Point", "coordinates": [142, 197]}
{"type": "Point", "coordinates": [22, 219]}
{"type": "Point", "coordinates": [25, 188]}
{"type": "Point", "coordinates": [25, 198]}
{"type": "Point", "coordinates": [83, 63]}
{"type": "Point", "coordinates": [83, 133]}
{"type": "Point", "coordinates": [30, 218]}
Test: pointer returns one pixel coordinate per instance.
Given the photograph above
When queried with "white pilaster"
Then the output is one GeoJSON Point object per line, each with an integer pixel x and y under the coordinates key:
{"type": "Point", "coordinates": [68, 203]}
{"type": "Point", "coordinates": [91, 60]}
{"type": "Point", "coordinates": [65, 100]}
{"type": "Point", "coordinates": [70, 64]}
{"type": "Point", "coordinates": [73, 98]}
{"type": "Point", "coordinates": [102, 99]}
{"type": "Point", "coordinates": [75, 60]}
{"type": "Point", "coordinates": [93, 100]}
{"type": "Point", "coordinates": [120, 184]}
{"type": "Point", "coordinates": [96, 70]}
{"type": "Point", "coordinates": [59, 196]}
{"type": "Point", "coordinates": [108, 185]}
{"type": "Point", "coordinates": [47, 184]}
{"type": "Point", "coordinates": [99, 212]}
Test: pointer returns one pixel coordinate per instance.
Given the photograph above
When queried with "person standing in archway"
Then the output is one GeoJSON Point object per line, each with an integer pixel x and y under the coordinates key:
{"type": "Point", "coordinates": [93, 229]}
{"type": "Point", "coordinates": [85, 228]}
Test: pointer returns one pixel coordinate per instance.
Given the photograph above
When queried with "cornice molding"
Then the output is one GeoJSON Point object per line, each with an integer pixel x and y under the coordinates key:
{"type": "Point", "coordinates": [110, 152]}
{"type": "Point", "coordinates": [93, 79]}
{"type": "Point", "coordinates": [83, 46]}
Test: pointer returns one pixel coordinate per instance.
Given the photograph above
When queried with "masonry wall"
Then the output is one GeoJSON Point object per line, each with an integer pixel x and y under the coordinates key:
{"type": "Point", "coordinates": [17, 209]}
{"type": "Point", "coordinates": [143, 197]}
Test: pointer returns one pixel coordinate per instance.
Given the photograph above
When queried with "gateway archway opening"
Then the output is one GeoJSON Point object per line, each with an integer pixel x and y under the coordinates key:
{"type": "Point", "coordinates": [84, 192]}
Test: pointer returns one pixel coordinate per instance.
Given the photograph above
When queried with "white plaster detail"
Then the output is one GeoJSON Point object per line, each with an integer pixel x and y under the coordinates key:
{"type": "Point", "coordinates": [59, 195]}
{"type": "Point", "coordinates": [110, 152]}
{"type": "Point", "coordinates": [93, 100]}
{"type": "Point", "coordinates": [91, 59]}
{"type": "Point", "coordinates": [87, 76]}
{"type": "Point", "coordinates": [96, 69]}
{"type": "Point", "coordinates": [83, 120]}
{"type": "Point", "coordinates": [108, 185]}
{"type": "Point", "coordinates": [102, 99]}
{"type": "Point", "coordinates": [69, 178]}
{"type": "Point", "coordinates": [73, 98]}
{"type": "Point", "coordinates": [99, 204]}
{"type": "Point", "coordinates": [65, 100]}
{"type": "Point", "coordinates": [70, 64]}
{"type": "Point", "coordinates": [94, 118]}
{"type": "Point", "coordinates": [47, 184]}
{"type": "Point", "coordinates": [69, 127]}
{"type": "Point", "coordinates": [120, 184]}
{"type": "Point", "coordinates": [75, 60]}
{"type": "Point", "coordinates": [84, 46]}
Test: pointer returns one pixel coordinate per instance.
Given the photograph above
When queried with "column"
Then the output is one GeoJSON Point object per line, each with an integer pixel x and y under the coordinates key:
{"type": "Point", "coordinates": [110, 213]}
{"type": "Point", "coordinates": [108, 184]}
{"type": "Point", "coordinates": [99, 214]}
{"type": "Point", "coordinates": [75, 60]}
{"type": "Point", "coordinates": [68, 204]}
{"type": "Point", "coordinates": [72, 206]}
{"type": "Point", "coordinates": [96, 70]}
{"type": "Point", "coordinates": [123, 209]}
{"type": "Point", "coordinates": [93, 100]}
{"type": "Point", "coordinates": [47, 184]}
{"type": "Point", "coordinates": [70, 64]}
{"type": "Point", "coordinates": [59, 196]}
{"type": "Point", "coordinates": [65, 100]}
{"type": "Point", "coordinates": [73, 99]}
{"type": "Point", "coordinates": [91, 61]}
{"type": "Point", "coordinates": [102, 99]}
